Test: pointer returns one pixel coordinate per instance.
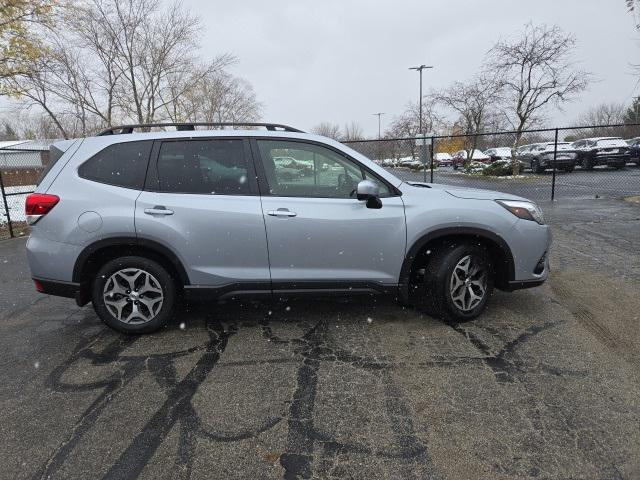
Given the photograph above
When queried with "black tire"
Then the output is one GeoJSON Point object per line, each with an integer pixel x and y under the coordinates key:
{"type": "Point", "coordinates": [587, 164]}
{"type": "Point", "coordinates": [535, 167]}
{"type": "Point", "coordinates": [568, 169]}
{"type": "Point", "coordinates": [436, 296]}
{"type": "Point", "coordinates": [158, 278]}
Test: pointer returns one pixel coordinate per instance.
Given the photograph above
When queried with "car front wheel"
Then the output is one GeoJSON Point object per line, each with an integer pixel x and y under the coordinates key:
{"type": "Point", "coordinates": [458, 282]}
{"type": "Point", "coordinates": [134, 295]}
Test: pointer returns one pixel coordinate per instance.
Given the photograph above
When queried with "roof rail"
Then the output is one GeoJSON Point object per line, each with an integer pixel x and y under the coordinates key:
{"type": "Point", "coordinates": [120, 129]}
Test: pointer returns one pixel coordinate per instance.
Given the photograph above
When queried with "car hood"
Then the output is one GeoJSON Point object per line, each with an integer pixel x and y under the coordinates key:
{"type": "Point", "coordinates": [468, 193]}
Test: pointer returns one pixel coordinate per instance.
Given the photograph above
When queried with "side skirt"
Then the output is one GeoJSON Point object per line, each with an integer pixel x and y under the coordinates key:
{"type": "Point", "coordinates": [289, 289]}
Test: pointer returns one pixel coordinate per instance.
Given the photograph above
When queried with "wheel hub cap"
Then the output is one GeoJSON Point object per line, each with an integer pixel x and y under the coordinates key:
{"type": "Point", "coordinates": [468, 283]}
{"type": "Point", "coordinates": [133, 296]}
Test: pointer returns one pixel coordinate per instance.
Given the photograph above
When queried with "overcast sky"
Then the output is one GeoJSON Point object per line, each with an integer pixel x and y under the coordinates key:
{"type": "Point", "coordinates": [342, 60]}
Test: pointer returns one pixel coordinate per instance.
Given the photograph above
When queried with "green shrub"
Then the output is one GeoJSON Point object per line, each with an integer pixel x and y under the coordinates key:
{"type": "Point", "coordinates": [474, 167]}
{"type": "Point", "coordinates": [500, 168]}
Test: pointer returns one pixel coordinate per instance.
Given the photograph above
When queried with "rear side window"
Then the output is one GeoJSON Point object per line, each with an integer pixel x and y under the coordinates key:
{"type": "Point", "coordinates": [54, 155]}
{"type": "Point", "coordinates": [217, 166]}
{"type": "Point", "coordinates": [120, 164]}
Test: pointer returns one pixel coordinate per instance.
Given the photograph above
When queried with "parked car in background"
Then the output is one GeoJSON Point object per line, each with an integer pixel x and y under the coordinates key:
{"type": "Point", "coordinates": [460, 157]}
{"type": "Point", "coordinates": [406, 161]}
{"type": "Point", "coordinates": [609, 151]}
{"type": "Point", "coordinates": [634, 150]}
{"type": "Point", "coordinates": [540, 156]}
{"type": "Point", "coordinates": [389, 162]}
{"type": "Point", "coordinates": [499, 153]}
{"type": "Point", "coordinates": [442, 159]}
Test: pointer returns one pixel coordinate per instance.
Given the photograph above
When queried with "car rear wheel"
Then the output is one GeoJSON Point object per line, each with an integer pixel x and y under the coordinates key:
{"type": "Point", "coordinates": [458, 282]}
{"type": "Point", "coordinates": [587, 164]}
{"type": "Point", "coordinates": [535, 167]}
{"type": "Point", "coordinates": [134, 295]}
{"type": "Point", "coordinates": [568, 169]}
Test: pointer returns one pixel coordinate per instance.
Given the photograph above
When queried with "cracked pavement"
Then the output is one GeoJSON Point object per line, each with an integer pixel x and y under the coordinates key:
{"type": "Point", "coordinates": [544, 385]}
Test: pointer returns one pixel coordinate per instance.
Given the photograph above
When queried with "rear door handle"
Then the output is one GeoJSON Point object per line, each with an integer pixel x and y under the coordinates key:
{"type": "Point", "coordinates": [158, 210]}
{"type": "Point", "coordinates": [281, 212]}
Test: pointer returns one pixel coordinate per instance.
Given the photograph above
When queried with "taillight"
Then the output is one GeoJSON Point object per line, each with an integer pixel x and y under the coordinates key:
{"type": "Point", "coordinates": [38, 205]}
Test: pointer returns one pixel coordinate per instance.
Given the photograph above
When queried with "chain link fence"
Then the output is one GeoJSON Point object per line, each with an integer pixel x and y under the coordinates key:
{"type": "Point", "coordinates": [20, 169]}
{"type": "Point", "coordinates": [552, 164]}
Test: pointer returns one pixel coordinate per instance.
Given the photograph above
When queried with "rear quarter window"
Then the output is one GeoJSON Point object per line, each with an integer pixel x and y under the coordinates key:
{"type": "Point", "coordinates": [54, 155]}
{"type": "Point", "coordinates": [120, 164]}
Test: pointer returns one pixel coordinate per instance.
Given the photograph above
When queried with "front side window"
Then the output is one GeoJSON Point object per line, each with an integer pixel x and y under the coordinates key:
{"type": "Point", "coordinates": [296, 169]}
{"type": "Point", "coordinates": [120, 164]}
{"type": "Point", "coordinates": [216, 166]}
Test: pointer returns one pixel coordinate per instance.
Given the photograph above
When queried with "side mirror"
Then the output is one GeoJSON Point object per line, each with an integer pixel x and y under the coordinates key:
{"type": "Point", "coordinates": [369, 192]}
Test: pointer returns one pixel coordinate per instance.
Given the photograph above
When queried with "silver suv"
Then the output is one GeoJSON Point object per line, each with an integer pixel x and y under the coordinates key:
{"type": "Point", "coordinates": [133, 221]}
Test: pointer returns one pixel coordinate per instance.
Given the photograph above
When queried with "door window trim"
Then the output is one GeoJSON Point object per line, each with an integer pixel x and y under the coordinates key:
{"type": "Point", "coordinates": [152, 181]}
{"type": "Point", "coordinates": [262, 176]}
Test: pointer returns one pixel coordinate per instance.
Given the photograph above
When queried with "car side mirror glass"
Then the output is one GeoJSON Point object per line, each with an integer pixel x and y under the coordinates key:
{"type": "Point", "coordinates": [369, 192]}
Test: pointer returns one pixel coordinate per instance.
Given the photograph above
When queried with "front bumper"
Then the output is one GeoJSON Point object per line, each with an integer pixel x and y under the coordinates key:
{"type": "Point", "coordinates": [530, 245]}
{"type": "Point", "coordinates": [558, 163]}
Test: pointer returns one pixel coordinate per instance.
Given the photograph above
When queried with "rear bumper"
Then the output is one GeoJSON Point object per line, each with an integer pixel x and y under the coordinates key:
{"type": "Point", "coordinates": [57, 287]}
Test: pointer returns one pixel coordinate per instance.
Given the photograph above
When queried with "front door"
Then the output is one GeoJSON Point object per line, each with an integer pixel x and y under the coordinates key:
{"type": "Point", "coordinates": [201, 200]}
{"type": "Point", "coordinates": [318, 233]}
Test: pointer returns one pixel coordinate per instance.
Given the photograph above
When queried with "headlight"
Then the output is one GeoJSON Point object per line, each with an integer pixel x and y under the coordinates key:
{"type": "Point", "coordinates": [524, 210]}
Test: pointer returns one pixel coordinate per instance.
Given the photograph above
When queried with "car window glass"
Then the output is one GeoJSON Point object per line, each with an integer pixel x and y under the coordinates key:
{"type": "Point", "coordinates": [203, 166]}
{"type": "Point", "coordinates": [120, 164]}
{"type": "Point", "coordinates": [297, 169]}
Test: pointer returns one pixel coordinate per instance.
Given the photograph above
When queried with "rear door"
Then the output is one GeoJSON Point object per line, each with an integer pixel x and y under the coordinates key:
{"type": "Point", "coordinates": [201, 201]}
{"type": "Point", "coordinates": [319, 234]}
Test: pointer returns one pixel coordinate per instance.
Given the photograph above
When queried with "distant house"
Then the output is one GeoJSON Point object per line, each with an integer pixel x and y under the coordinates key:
{"type": "Point", "coordinates": [22, 161]}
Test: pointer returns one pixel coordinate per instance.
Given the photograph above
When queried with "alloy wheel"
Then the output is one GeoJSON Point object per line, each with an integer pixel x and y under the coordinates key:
{"type": "Point", "coordinates": [468, 283]}
{"type": "Point", "coordinates": [133, 296]}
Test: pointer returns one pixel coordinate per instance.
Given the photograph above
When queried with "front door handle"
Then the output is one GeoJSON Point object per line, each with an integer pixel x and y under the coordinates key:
{"type": "Point", "coordinates": [158, 210]}
{"type": "Point", "coordinates": [281, 212]}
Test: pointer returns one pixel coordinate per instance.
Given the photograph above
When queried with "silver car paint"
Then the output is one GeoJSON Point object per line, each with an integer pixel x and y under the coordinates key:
{"type": "Point", "coordinates": [219, 239]}
{"type": "Point", "coordinates": [225, 240]}
{"type": "Point", "coordinates": [335, 239]}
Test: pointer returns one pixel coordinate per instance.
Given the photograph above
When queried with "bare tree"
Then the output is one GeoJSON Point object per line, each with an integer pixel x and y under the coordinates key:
{"type": "Point", "coordinates": [634, 9]}
{"type": "Point", "coordinates": [408, 124]}
{"type": "Point", "coordinates": [153, 50]}
{"type": "Point", "coordinates": [352, 131]}
{"type": "Point", "coordinates": [473, 101]}
{"type": "Point", "coordinates": [600, 116]}
{"type": "Point", "coordinates": [34, 88]}
{"type": "Point", "coordinates": [327, 129]}
{"type": "Point", "coordinates": [121, 60]}
{"type": "Point", "coordinates": [217, 96]}
{"type": "Point", "coordinates": [535, 71]}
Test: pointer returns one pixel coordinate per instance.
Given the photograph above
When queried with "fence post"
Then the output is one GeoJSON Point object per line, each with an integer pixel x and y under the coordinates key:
{"type": "Point", "coordinates": [6, 205]}
{"type": "Point", "coordinates": [553, 178]}
{"type": "Point", "coordinates": [433, 146]}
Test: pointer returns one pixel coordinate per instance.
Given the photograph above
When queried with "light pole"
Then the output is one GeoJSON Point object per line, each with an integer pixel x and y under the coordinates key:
{"type": "Point", "coordinates": [419, 69]}
{"type": "Point", "coordinates": [420, 132]}
{"type": "Point", "coordinates": [379, 114]}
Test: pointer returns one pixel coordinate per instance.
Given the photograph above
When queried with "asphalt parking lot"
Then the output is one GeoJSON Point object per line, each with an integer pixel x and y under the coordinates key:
{"type": "Point", "coordinates": [545, 385]}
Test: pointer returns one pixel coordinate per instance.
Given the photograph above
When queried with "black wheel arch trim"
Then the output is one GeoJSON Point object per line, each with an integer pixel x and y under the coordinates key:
{"type": "Point", "coordinates": [152, 245]}
{"type": "Point", "coordinates": [420, 243]}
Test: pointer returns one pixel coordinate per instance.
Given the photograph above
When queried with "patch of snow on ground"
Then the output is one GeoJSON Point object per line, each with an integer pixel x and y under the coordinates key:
{"type": "Point", "coordinates": [15, 203]}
